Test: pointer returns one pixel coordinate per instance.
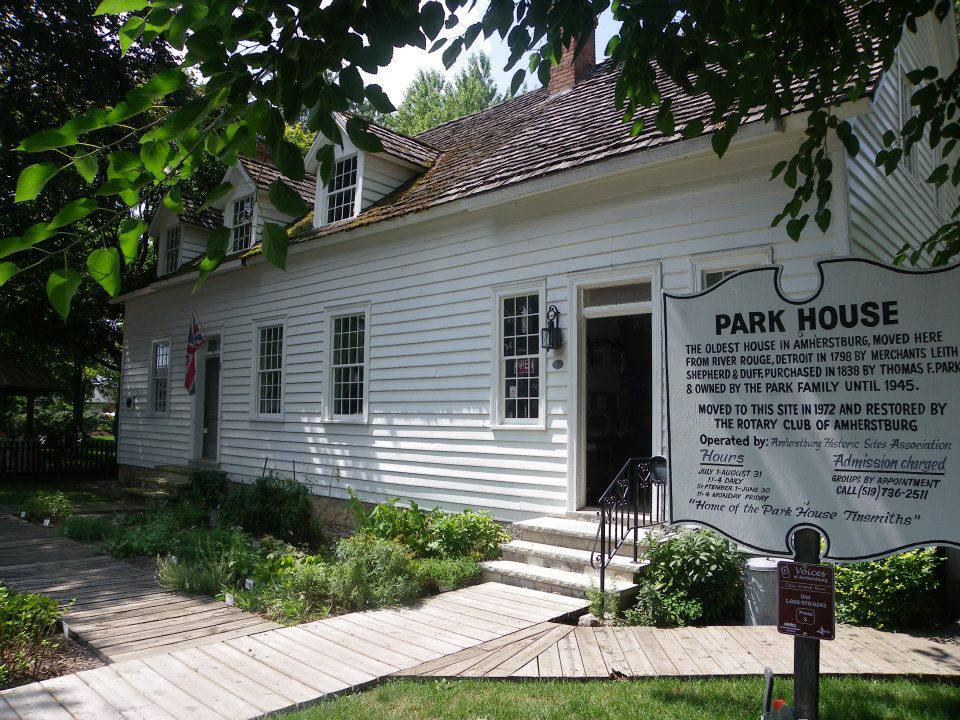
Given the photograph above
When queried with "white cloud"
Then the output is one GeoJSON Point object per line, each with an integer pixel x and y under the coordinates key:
{"type": "Point", "coordinates": [398, 75]}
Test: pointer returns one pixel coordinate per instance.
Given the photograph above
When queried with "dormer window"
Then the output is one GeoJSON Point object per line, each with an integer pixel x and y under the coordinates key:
{"type": "Point", "coordinates": [170, 255]}
{"type": "Point", "coordinates": [242, 233]}
{"type": "Point", "coordinates": [342, 190]}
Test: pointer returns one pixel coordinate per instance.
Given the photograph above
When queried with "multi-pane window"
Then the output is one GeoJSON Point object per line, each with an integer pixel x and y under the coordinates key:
{"type": "Point", "coordinates": [171, 250]}
{"type": "Point", "coordinates": [709, 278]}
{"type": "Point", "coordinates": [347, 366]}
{"type": "Point", "coordinates": [242, 233]}
{"type": "Point", "coordinates": [520, 356]}
{"type": "Point", "coordinates": [342, 190]}
{"type": "Point", "coordinates": [160, 376]}
{"type": "Point", "coordinates": [269, 369]}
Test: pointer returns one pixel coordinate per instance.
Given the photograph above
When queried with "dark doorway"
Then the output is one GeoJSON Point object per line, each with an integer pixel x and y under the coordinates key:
{"type": "Point", "coordinates": [618, 400]}
{"type": "Point", "coordinates": [211, 406]}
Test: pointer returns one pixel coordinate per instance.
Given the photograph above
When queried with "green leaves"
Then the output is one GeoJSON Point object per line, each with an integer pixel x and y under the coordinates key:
{"type": "Point", "coordinates": [431, 18]}
{"type": "Point", "coordinates": [7, 271]}
{"type": "Point", "coordinates": [154, 155]}
{"type": "Point", "coordinates": [115, 7]}
{"type": "Point", "coordinates": [32, 179]}
{"type": "Point", "coordinates": [47, 140]}
{"type": "Point", "coordinates": [216, 252]}
{"type": "Point", "coordinates": [104, 267]}
{"type": "Point", "coordinates": [378, 98]}
{"type": "Point", "coordinates": [130, 231]}
{"type": "Point", "coordinates": [361, 137]}
{"type": "Point", "coordinates": [61, 287]}
{"type": "Point", "coordinates": [72, 212]}
{"type": "Point", "coordinates": [849, 140]}
{"type": "Point", "coordinates": [86, 165]}
{"type": "Point", "coordinates": [286, 199]}
{"type": "Point", "coordinates": [275, 241]}
{"type": "Point", "coordinates": [289, 159]}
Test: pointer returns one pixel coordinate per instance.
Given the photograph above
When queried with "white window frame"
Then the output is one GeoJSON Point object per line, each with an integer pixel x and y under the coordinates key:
{"type": "Point", "coordinates": [330, 314]}
{"type": "Point", "coordinates": [253, 221]}
{"type": "Point", "coordinates": [322, 192]}
{"type": "Point", "coordinates": [727, 260]}
{"type": "Point", "coordinates": [498, 382]}
{"type": "Point", "coordinates": [165, 259]}
{"type": "Point", "coordinates": [152, 376]}
{"type": "Point", "coordinates": [259, 325]}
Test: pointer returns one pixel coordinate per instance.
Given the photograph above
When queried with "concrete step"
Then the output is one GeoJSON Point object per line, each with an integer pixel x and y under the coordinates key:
{"type": "Point", "coordinates": [548, 579]}
{"type": "Point", "coordinates": [174, 472]}
{"type": "Point", "coordinates": [568, 532]}
{"type": "Point", "coordinates": [148, 496]}
{"type": "Point", "coordinates": [566, 558]}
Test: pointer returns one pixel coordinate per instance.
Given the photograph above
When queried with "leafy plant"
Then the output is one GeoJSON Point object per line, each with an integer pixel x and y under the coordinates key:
{"type": "Point", "coordinates": [603, 603]}
{"type": "Point", "coordinates": [205, 490]}
{"type": "Point", "coordinates": [273, 505]}
{"type": "Point", "coordinates": [899, 591]}
{"type": "Point", "coordinates": [471, 533]}
{"type": "Point", "coordinates": [298, 595]}
{"type": "Point", "coordinates": [439, 574]}
{"type": "Point", "coordinates": [144, 535]}
{"type": "Point", "coordinates": [433, 533]}
{"type": "Point", "coordinates": [53, 505]}
{"type": "Point", "coordinates": [692, 577]}
{"type": "Point", "coordinates": [28, 623]}
{"type": "Point", "coordinates": [661, 607]}
{"type": "Point", "coordinates": [371, 572]}
{"type": "Point", "coordinates": [86, 528]}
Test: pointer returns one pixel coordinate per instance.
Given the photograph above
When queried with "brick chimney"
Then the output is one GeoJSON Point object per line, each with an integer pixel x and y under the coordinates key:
{"type": "Point", "coordinates": [572, 69]}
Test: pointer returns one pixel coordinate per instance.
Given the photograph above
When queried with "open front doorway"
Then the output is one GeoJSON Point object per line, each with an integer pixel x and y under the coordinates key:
{"type": "Point", "coordinates": [618, 407]}
{"type": "Point", "coordinates": [209, 402]}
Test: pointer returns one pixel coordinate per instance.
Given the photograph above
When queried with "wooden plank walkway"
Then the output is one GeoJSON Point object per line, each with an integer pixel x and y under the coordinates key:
{"type": "Point", "coordinates": [118, 609]}
{"type": "Point", "coordinates": [254, 675]}
{"type": "Point", "coordinates": [550, 650]}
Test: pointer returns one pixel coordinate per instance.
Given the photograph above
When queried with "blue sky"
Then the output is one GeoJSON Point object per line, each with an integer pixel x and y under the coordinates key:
{"type": "Point", "coordinates": [397, 76]}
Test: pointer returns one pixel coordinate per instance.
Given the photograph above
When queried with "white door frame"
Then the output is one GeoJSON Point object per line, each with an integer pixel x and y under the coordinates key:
{"type": "Point", "coordinates": [576, 341]}
{"type": "Point", "coordinates": [200, 394]}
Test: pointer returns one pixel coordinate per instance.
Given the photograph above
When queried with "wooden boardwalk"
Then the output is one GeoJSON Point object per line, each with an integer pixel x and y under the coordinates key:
{"type": "Point", "coordinates": [118, 609]}
{"type": "Point", "coordinates": [550, 650]}
{"type": "Point", "coordinates": [248, 677]}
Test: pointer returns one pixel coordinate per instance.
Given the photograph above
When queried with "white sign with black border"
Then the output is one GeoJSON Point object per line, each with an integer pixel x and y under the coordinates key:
{"type": "Point", "coordinates": [839, 412]}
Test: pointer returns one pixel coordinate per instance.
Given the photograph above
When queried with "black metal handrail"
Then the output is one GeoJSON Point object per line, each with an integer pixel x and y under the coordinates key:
{"type": "Point", "coordinates": [635, 499]}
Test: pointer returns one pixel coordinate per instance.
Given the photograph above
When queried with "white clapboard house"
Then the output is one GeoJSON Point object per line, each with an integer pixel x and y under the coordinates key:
{"type": "Point", "coordinates": [400, 352]}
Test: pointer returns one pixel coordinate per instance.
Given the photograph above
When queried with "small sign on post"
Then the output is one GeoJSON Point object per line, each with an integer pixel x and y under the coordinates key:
{"type": "Point", "coordinates": [805, 600]}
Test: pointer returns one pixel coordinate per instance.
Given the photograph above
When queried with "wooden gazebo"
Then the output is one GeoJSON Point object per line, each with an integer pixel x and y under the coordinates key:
{"type": "Point", "coordinates": [19, 380]}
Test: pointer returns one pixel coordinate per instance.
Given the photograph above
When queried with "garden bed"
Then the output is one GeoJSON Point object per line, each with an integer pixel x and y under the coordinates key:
{"type": "Point", "coordinates": [66, 657]}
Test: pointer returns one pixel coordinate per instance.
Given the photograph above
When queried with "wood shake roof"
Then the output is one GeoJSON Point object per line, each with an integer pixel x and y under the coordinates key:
{"type": "Point", "coordinates": [263, 172]}
{"type": "Point", "coordinates": [529, 137]}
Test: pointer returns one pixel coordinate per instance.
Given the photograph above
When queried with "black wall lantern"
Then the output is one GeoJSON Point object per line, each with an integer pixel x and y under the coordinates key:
{"type": "Point", "coordinates": [551, 337]}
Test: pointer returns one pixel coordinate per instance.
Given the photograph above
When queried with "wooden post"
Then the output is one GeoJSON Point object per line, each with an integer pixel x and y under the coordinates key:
{"type": "Point", "coordinates": [806, 651]}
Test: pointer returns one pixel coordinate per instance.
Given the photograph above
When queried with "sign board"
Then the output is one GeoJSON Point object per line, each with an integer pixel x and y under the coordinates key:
{"type": "Point", "coordinates": [805, 600]}
{"type": "Point", "coordinates": [839, 412]}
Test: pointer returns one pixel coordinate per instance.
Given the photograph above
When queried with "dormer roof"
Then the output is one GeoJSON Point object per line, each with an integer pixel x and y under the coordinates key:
{"type": "Point", "coordinates": [262, 172]}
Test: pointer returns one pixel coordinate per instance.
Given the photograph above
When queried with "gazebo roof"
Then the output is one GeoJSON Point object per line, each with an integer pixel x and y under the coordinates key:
{"type": "Point", "coordinates": [18, 379]}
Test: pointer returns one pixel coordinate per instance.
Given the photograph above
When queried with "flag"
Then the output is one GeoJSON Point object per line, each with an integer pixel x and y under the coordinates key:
{"type": "Point", "coordinates": [195, 339]}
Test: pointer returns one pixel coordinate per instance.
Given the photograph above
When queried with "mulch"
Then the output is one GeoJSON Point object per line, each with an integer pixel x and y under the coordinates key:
{"type": "Point", "coordinates": [69, 657]}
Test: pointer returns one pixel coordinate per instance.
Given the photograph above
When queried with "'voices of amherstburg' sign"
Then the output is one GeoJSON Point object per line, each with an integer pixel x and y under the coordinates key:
{"type": "Point", "coordinates": [839, 412]}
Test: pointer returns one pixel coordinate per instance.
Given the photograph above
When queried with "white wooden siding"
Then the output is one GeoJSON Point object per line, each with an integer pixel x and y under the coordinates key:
{"type": "Point", "coordinates": [381, 177]}
{"type": "Point", "coordinates": [887, 212]}
{"type": "Point", "coordinates": [429, 286]}
{"type": "Point", "coordinates": [193, 242]}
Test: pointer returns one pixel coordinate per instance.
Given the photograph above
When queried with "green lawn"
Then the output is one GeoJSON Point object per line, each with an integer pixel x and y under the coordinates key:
{"type": "Point", "coordinates": [655, 699]}
{"type": "Point", "coordinates": [15, 492]}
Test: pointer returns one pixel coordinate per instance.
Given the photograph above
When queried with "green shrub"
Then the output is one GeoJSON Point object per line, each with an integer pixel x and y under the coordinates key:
{"type": "Point", "coordinates": [437, 574]}
{"type": "Point", "coordinates": [273, 505]}
{"type": "Point", "coordinates": [433, 533]}
{"type": "Point", "coordinates": [660, 607]}
{"type": "Point", "coordinates": [371, 572]}
{"type": "Point", "coordinates": [411, 526]}
{"type": "Point", "coordinates": [299, 595]}
{"type": "Point", "coordinates": [603, 603]}
{"type": "Point", "coordinates": [188, 514]}
{"type": "Point", "coordinates": [692, 577]}
{"type": "Point", "coordinates": [206, 490]}
{"type": "Point", "coordinates": [43, 505]}
{"type": "Point", "coordinates": [466, 533]}
{"type": "Point", "coordinates": [896, 592]}
{"type": "Point", "coordinates": [201, 576]}
{"type": "Point", "coordinates": [86, 528]}
{"type": "Point", "coordinates": [27, 627]}
{"type": "Point", "coordinates": [145, 535]}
